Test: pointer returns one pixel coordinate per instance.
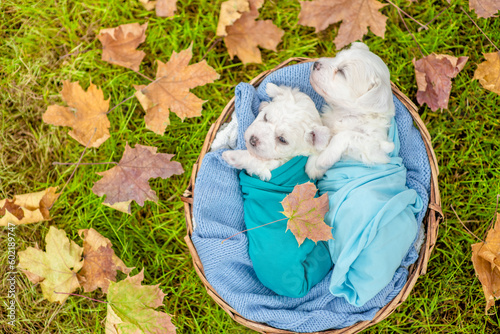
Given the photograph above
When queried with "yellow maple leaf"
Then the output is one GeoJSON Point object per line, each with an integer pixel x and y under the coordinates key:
{"type": "Point", "coordinates": [488, 72]}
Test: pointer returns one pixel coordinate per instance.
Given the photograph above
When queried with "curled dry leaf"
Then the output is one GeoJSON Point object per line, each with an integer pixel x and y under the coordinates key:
{"type": "Point", "coordinates": [131, 308]}
{"type": "Point", "coordinates": [486, 261]}
{"type": "Point", "coordinates": [100, 263]}
{"type": "Point", "coordinates": [230, 11]}
{"type": "Point", "coordinates": [56, 268]}
{"type": "Point", "coordinates": [306, 213]}
{"type": "Point", "coordinates": [129, 179]}
{"type": "Point", "coordinates": [434, 74]}
{"type": "Point", "coordinates": [86, 114]}
{"type": "Point", "coordinates": [488, 72]}
{"type": "Point", "coordinates": [485, 8]}
{"type": "Point", "coordinates": [170, 90]}
{"type": "Point", "coordinates": [356, 17]}
{"type": "Point", "coordinates": [28, 208]}
{"type": "Point", "coordinates": [119, 44]}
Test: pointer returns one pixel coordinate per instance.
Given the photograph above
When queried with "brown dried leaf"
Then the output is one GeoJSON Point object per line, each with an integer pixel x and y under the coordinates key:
{"type": "Point", "coordinates": [129, 179]}
{"type": "Point", "coordinates": [485, 8]}
{"type": "Point", "coordinates": [306, 213]}
{"type": "Point", "coordinates": [100, 263]}
{"type": "Point", "coordinates": [34, 206]}
{"type": "Point", "coordinates": [434, 74]}
{"type": "Point", "coordinates": [356, 17]}
{"type": "Point", "coordinates": [486, 261]}
{"type": "Point", "coordinates": [170, 90]}
{"type": "Point", "coordinates": [166, 8]}
{"type": "Point", "coordinates": [148, 5]}
{"type": "Point", "coordinates": [119, 44]}
{"type": "Point", "coordinates": [86, 114]}
{"type": "Point", "coordinates": [488, 72]}
{"type": "Point", "coordinates": [230, 11]}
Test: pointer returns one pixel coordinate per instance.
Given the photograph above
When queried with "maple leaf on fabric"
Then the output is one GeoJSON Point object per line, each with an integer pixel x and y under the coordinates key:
{"type": "Point", "coordinates": [434, 74]}
{"type": "Point", "coordinates": [306, 213]}
{"type": "Point", "coordinates": [86, 114]}
{"type": "Point", "coordinates": [129, 179]}
{"type": "Point", "coordinates": [246, 35]}
{"type": "Point", "coordinates": [119, 44]}
{"type": "Point", "coordinates": [485, 8]}
{"type": "Point", "coordinates": [100, 263]}
{"type": "Point", "coordinates": [58, 265]}
{"type": "Point", "coordinates": [230, 11]}
{"type": "Point", "coordinates": [488, 72]}
{"type": "Point", "coordinates": [131, 308]}
{"type": "Point", "coordinates": [486, 261]}
{"type": "Point", "coordinates": [28, 208]}
{"type": "Point", "coordinates": [356, 17]}
{"type": "Point", "coordinates": [170, 90]}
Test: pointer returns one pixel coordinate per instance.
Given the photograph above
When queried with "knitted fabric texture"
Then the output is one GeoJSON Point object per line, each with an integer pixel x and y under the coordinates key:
{"type": "Point", "coordinates": [218, 212]}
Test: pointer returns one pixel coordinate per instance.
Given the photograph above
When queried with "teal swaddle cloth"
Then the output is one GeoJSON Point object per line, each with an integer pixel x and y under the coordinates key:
{"type": "Point", "coordinates": [280, 264]}
{"type": "Point", "coordinates": [372, 213]}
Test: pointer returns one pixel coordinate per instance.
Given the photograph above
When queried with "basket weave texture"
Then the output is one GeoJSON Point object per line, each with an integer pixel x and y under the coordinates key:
{"type": "Point", "coordinates": [431, 220]}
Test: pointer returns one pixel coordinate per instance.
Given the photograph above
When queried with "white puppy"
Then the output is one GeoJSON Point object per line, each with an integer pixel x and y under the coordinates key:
{"type": "Point", "coordinates": [357, 89]}
{"type": "Point", "coordinates": [286, 127]}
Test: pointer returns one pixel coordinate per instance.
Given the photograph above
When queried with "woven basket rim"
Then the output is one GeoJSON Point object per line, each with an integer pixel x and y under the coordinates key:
{"type": "Point", "coordinates": [431, 220]}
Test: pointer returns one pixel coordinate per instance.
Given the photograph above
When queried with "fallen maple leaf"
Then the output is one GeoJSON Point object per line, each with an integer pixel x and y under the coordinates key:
{"type": "Point", "coordinates": [100, 263]}
{"type": "Point", "coordinates": [170, 90]}
{"type": "Point", "coordinates": [246, 34]}
{"type": "Point", "coordinates": [230, 11]}
{"type": "Point", "coordinates": [306, 213]}
{"type": "Point", "coordinates": [57, 266]}
{"type": "Point", "coordinates": [434, 74]}
{"type": "Point", "coordinates": [147, 4]}
{"type": "Point", "coordinates": [486, 261]}
{"type": "Point", "coordinates": [86, 114]}
{"type": "Point", "coordinates": [129, 179]}
{"type": "Point", "coordinates": [131, 308]}
{"type": "Point", "coordinates": [166, 8]}
{"type": "Point", "coordinates": [484, 8]}
{"type": "Point", "coordinates": [356, 17]}
{"type": "Point", "coordinates": [119, 44]}
{"type": "Point", "coordinates": [488, 72]}
{"type": "Point", "coordinates": [28, 208]}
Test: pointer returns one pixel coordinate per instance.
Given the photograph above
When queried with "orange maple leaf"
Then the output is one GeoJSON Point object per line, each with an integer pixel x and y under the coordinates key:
{"type": "Point", "coordinates": [170, 90]}
{"type": "Point", "coordinates": [230, 11]}
{"type": "Point", "coordinates": [488, 72]}
{"type": "Point", "coordinates": [434, 74]}
{"type": "Point", "coordinates": [306, 213]}
{"type": "Point", "coordinates": [86, 114]}
{"type": "Point", "coordinates": [129, 179]}
{"type": "Point", "coordinates": [119, 44]}
{"type": "Point", "coordinates": [356, 17]}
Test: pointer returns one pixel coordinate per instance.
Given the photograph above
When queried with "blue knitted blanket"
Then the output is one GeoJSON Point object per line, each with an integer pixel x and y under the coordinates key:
{"type": "Point", "coordinates": [218, 214]}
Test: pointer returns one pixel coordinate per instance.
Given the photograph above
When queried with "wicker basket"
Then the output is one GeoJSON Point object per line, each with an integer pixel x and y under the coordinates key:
{"type": "Point", "coordinates": [431, 220]}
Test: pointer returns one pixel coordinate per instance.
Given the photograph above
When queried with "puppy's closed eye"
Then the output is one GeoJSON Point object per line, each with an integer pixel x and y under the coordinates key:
{"type": "Point", "coordinates": [265, 117]}
{"type": "Point", "coordinates": [282, 140]}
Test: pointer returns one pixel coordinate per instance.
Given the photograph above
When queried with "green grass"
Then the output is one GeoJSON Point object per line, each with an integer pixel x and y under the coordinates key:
{"type": "Point", "coordinates": [45, 42]}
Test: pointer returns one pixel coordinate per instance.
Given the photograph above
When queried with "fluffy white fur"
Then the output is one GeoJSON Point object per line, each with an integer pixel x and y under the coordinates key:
{"type": "Point", "coordinates": [356, 86]}
{"type": "Point", "coordinates": [286, 127]}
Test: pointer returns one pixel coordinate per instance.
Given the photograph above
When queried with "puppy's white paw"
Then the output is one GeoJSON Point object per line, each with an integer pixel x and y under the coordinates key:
{"type": "Point", "coordinates": [325, 161]}
{"type": "Point", "coordinates": [265, 175]}
{"type": "Point", "coordinates": [233, 158]}
{"type": "Point", "coordinates": [312, 170]}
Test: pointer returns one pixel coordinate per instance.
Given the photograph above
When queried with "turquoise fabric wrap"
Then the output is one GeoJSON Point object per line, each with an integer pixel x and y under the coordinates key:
{"type": "Point", "coordinates": [372, 213]}
{"type": "Point", "coordinates": [279, 262]}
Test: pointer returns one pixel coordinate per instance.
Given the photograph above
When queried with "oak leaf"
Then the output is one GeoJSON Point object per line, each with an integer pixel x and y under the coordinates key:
{"type": "Point", "coordinates": [306, 213]}
{"type": "Point", "coordinates": [230, 11]}
{"type": "Point", "coordinates": [170, 90]}
{"type": "Point", "coordinates": [486, 261]}
{"type": "Point", "coordinates": [58, 265]}
{"type": "Point", "coordinates": [488, 72]}
{"type": "Point", "coordinates": [129, 179]}
{"type": "Point", "coordinates": [434, 74]}
{"type": "Point", "coordinates": [119, 44]}
{"type": "Point", "coordinates": [28, 208]}
{"type": "Point", "coordinates": [246, 35]}
{"type": "Point", "coordinates": [485, 8]}
{"type": "Point", "coordinates": [356, 17]}
{"type": "Point", "coordinates": [100, 263]}
{"type": "Point", "coordinates": [86, 114]}
{"type": "Point", "coordinates": [131, 308]}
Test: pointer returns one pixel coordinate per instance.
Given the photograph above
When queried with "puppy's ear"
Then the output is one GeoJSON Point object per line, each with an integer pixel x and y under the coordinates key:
{"type": "Point", "coordinates": [378, 98]}
{"type": "Point", "coordinates": [359, 46]}
{"type": "Point", "coordinates": [273, 90]}
{"type": "Point", "coordinates": [319, 137]}
{"type": "Point", "coordinates": [263, 105]}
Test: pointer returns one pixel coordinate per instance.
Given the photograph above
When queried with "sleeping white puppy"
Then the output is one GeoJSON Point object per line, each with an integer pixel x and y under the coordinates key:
{"type": "Point", "coordinates": [286, 127]}
{"type": "Point", "coordinates": [357, 89]}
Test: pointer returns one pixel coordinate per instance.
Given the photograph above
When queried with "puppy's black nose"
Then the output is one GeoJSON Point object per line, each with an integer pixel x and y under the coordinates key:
{"type": "Point", "coordinates": [317, 65]}
{"type": "Point", "coordinates": [253, 141]}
